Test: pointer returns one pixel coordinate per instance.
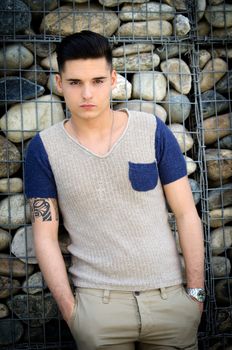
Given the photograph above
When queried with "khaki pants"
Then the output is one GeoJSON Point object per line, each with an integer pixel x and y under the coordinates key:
{"type": "Point", "coordinates": [165, 318]}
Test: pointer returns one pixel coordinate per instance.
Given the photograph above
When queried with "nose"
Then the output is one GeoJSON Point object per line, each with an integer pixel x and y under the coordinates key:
{"type": "Point", "coordinates": [86, 92]}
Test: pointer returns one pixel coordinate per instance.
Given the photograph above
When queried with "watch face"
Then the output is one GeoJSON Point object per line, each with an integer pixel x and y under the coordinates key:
{"type": "Point", "coordinates": [201, 296]}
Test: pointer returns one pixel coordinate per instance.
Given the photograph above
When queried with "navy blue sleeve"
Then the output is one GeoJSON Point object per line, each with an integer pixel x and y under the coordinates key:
{"type": "Point", "coordinates": [39, 178]}
{"type": "Point", "coordinates": [170, 160]}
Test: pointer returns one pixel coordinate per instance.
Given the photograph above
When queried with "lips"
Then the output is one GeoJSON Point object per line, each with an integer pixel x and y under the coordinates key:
{"type": "Point", "coordinates": [87, 106]}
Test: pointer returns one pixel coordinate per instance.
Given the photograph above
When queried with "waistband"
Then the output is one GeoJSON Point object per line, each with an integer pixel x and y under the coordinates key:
{"type": "Point", "coordinates": [116, 294]}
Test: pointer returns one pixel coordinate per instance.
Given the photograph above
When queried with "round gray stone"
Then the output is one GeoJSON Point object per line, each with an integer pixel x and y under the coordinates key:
{"type": "Point", "coordinates": [22, 245]}
{"type": "Point", "coordinates": [146, 12]}
{"type": "Point", "coordinates": [112, 3]}
{"type": "Point", "coordinates": [34, 284]}
{"type": "Point", "coordinates": [177, 105]}
{"type": "Point", "coordinates": [219, 16]}
{"type": "Point", "coordinates": [15, 89]}
{"type": "Point", "coordinates": [220, 197]}
{"type": "Point", "coordinates": [204, 56]}
{"type": "Point", "coordinates": [225, 142]}
{"type": "Point", "coordinates": [213, 71]}
{"type": "Point", "coordinates": [36, 74]}
{"type": "Point", "coordinates": [221, 239]}
{"type": "Point", "coordinates": [11, 185]}
{"type": "Point", "coordinates": [40, 49]}
{"type": "Point", "coordinates": [220, 217]}
{"type": "Point", "coordinates": [181, 25]}
{"type": "Point", "coordinates": [200, 8]}
{"type": "Point", "coordinates": [132, 48]}
{"type": "Point", "coordinates": [40, 6]}
{"type": "Point", "coordinates": [4, 311]}
{"type": "Point", "coordinates": [221, 266]}
{"type": "Point", "coordinates": [10, 158]}
{"type": "Point", "coordinates": [11, 331]}
{"type": "Point", "coordinates": [8, 286]}
{"type": "Point", "coordinates": [136, 62]}
{"type": "Point", "coordinates": [15, 16]}
{"type": "Point", "coordinates": [149, 86]}
{"type": "Point", "coordinates": [223, 292]}
{"type": "Point", "coordinates": [190, 164]}
{"type": "Point", "coordinates": [11, 266]}
{"type": "Point", "coordinates": [171, 50]}
{"type": "Point", "coordinates": [183, 136]}
{"type": "Point", "coordinates": [219, 163]}
{"type": "Point", "coordinates": [224, 85]}
{"type": "Point", "coordinates": [14, 211]}
{"type": "Point", "coordinates": [14, 57]}
{"type": "Point", "coordinates": [40, 308]}
{"type": "Point", "coordinates": [213, 103]}
{"type": "Point", "coordinates": [154, 28]}
{"type": "Point", "coordinates": [5, 239]}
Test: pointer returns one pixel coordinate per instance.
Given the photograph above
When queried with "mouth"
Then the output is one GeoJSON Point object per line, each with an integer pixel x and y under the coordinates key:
{"type": "Point", "coordinates": [87, 105]}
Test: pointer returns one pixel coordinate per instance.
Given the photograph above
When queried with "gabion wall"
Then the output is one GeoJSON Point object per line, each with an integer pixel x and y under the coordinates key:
{"type": "Point", "coordinates": [173, 59]}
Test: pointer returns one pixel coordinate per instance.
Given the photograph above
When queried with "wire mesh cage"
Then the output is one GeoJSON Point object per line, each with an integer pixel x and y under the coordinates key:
{"type": "Point", "coordinates": [173, 60]}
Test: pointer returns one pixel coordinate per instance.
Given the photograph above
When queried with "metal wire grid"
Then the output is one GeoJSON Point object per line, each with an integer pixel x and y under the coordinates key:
{"type": "Point", "coordinates": [209, 330]}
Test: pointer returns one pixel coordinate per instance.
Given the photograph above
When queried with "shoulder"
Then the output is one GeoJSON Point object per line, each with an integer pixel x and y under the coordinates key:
{"type": "Point", "coordinates": [143, 118]}
{"type": "Point", "coordinates": [52, 131]}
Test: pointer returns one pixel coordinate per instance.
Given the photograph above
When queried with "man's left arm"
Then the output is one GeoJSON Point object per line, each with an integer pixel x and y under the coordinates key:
{"type": "Point", "coordinates": [180, 199]}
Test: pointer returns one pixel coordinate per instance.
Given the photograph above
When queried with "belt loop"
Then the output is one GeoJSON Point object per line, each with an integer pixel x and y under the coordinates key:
{"type": "Point", "coordinates": [106, 296]}
{"type": "Point", "coordinates": [163, 293]}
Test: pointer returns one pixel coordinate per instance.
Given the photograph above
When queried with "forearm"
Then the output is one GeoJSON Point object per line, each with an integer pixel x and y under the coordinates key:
{"type": "Point", "coordinates": [53, 268]}
{"type": "Point", "coordinates": [192, 246]}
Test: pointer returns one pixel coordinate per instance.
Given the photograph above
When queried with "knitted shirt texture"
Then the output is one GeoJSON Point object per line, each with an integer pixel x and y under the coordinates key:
{"type": "Point", "coordinates": [114, 209]}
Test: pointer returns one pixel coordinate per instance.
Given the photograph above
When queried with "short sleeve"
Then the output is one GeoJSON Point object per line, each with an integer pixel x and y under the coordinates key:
{"type": "Point", "coordinates": [170, 160]}
{"type": "Point", "coordinates": [39, 178]}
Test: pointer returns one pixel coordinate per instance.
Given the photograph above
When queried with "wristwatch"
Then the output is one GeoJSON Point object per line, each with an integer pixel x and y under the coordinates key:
{"type": "Point", "coordinates": [197, 294]}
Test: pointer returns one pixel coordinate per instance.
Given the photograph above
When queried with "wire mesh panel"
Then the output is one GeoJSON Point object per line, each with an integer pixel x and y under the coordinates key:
{"type": "Point", "coordinates": [171, 61]}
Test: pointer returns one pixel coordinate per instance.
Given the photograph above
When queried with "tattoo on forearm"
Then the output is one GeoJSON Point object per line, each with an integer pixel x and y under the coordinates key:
{"type": "Point", "coordinates": [41, 209]}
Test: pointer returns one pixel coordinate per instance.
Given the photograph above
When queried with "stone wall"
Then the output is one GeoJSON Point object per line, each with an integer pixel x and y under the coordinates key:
{"type": "Point", "coordinates": [173, 59]}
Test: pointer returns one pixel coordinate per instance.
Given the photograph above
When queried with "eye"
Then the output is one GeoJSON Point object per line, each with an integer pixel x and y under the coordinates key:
{"type": "Point", "coordinates": [74, 83]}
{"type": "Point", "coordinates": [98, 81]}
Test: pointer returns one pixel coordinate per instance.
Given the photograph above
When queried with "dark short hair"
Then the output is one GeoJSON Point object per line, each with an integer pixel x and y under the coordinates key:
{"type": "Point", "coordinates": [83, 45]}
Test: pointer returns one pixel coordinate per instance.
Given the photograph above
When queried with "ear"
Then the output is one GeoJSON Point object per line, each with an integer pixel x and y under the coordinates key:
{"type": "Point", "coordinates": [59, 83]}
{"type": "Point", "coordinates": [113, 79]}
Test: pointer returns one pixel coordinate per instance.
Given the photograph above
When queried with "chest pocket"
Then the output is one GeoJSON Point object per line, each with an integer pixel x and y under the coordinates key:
{"type": "Point", "coordinates": [143, 176]}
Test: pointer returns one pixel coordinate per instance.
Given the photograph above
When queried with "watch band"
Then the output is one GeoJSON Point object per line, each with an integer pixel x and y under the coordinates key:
{"type": "Point", "coordinates": [197, 293]}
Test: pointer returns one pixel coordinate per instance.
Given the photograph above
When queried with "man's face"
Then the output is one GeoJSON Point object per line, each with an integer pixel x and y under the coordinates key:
{"type": "Point", "coordinates": [86, 86]}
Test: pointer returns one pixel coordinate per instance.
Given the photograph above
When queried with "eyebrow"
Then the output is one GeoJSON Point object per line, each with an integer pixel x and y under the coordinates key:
{"type": "Point", "coordinates": [73, 79]}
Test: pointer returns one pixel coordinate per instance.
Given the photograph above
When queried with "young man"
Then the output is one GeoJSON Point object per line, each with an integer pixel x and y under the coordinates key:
{"type": "Point", "coordinates": [109, 172]}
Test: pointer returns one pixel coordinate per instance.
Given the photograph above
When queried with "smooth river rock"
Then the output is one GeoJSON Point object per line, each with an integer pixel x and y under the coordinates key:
{"type": "Point", "coordinates": [15, 89]}
{"type": "Point", "coordinates": [191, 165]}
{"type": "Point", "coordinates": [219, 16]}
{"type": "Point", "coordinates": [15, 16]}
{"type": "Point", "coordinates": [10, 158]}
{"type": "Point", "coordinates": [13, 213]}
{"type": "Point", "coordinates": [8, 286]}
{"type": "Point", "coordinates": [171, 50]}
{"type": "Point", "coordinates": [221, 239]}
{"type": "Point", "coordinates": [222, 33]}
{"type": "Point", "coordinates": [204, 56]}
{"type": "Point", "coordinates": [183, 137]}
{"type": "Point", "coordinates": [11, 331]}
{"type": "Point", "coordinates": [34, 284]}
{"type": "Point", "coordinates": [149, 86]}
{"type": "Point", "coordinates": [220, 197]}
{"type": "Point", "coordinates": [219, 163]}
{"type": "Point", "coordinates": [22, 245]}
{"type": "Point", "coordinates": [212, 73]}
{"type": "Point", "coordinates": [220, 217]}
{"type": "Point", "coordinates": [223, 292]}
{"type": "Point", "coordinates": [178, 106]}
{"type": "Point", "coordinates": [216, 127]}
{"type": "Point", "coordinates": [5, 239]}
{"type": "Point", "coordinates": [181, 25]}
{"type": "Point", "coordinates": [66, 20]}
{"type": "Point", "coordinates": [32, 116]}
{"type": "Point", "coordinates": [146, 12]}
{"type": "Point", "coordinates": [203, 28]}
{"type": "Point", "coordinates": [40, 308]}
{"type": "Point", "coordinates": [225, 84]}
{"type": "Point", "coordinates": [213, 103]}
{"type": "Point", "coordinates": [40, 49]}
{"type": "Point", "coordinates": [122, 90]}
{"type": "Point", "coordinates": [132, 48]}
{"type": "Point", "coordinates": [112, 3]}
{"type": "Point", "coordinates": [136, 62]}
{"type": "Point", "coordinates": [11, 266]}
{"type": "Point", "coordinates": [4, 311]}
{"type": "Point", "coordinates": [14, 57]}
{"type": "Point", "coordinates": [178, 74]}
{"type": "Point", "coordinates": [36, 74]}
{"type": "Point", "coordinates": [50, 62]}
{"type": "Point", "coordinates": [225, 142]}
{"type": "Point", "coordinates": [156, 28]}
{"type": "Point", "coordinates": [221, 266]}
{"type": "Point", "coordinates": [143, 106]}
{"type": "Point", "coordinates": [11, 185]}
{"type": "Point", "coordinates": [200, 9]}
